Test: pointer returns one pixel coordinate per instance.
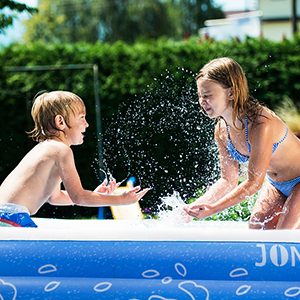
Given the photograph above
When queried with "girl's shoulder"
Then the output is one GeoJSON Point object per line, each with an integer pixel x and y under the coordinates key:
{"type": "Point", "coordinates": [221, 130]}
{"type": "Point", "coordinates": [267, 125]}
{"type": "Point", "coordinates": [266, 118]}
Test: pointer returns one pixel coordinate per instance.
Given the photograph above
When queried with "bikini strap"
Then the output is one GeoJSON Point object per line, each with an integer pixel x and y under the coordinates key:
{"type": "Point", "coordinates": [246, 133]}
{"type": "Point", "coordinates": [275, 145]}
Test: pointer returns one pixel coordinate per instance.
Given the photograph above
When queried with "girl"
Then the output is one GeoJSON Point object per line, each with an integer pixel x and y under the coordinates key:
{"type": "Point", "coordinates": [248, 132]}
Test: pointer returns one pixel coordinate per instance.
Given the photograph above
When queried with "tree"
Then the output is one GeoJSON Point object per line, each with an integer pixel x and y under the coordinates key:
{"type": "Point", "coordinates": [89, 21]}
{"type": "Point", "coordinates": [195, 12]}
{"type": "Point", "coordinates": [50, 24]}
{"type": "Point", "coordinates": [74, 21]}
{"type": "Point", "coordinates": [68, 21]}
{"type": "Point", "coordinates": [7, 19]}
{"type": "Point", "coordinates": [135, 19]}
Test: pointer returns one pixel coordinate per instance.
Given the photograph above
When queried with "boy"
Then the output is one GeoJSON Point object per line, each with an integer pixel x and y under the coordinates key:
{"type": "Point", "coordinates": [60, 122]}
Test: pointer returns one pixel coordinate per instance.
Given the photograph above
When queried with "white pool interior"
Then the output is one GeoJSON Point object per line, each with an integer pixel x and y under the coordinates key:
{"type": "Point", "coordinates": [145, 230]}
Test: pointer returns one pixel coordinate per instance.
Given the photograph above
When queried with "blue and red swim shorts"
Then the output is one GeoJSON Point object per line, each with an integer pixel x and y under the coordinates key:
{"type": "Point", "coordinates": [13, 215]}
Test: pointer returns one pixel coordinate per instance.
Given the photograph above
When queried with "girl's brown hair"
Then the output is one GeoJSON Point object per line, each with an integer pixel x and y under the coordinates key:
{"type": "Point", "coordinates": [47, 106]}
{"type": "Point", "coordinates": [229, 74]}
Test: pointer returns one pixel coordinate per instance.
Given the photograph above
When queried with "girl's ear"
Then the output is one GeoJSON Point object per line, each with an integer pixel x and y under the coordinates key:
{"type": "Point", "coordinates": [231, 93]}
{"type": "Point", "coordinates": [60, 122]}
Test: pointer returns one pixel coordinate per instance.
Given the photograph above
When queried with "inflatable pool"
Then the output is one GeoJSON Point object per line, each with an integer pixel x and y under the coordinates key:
{"type": "Point", "coordinates": [139, 260]}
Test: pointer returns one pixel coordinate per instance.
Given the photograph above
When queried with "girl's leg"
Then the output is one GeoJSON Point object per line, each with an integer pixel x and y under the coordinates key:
{"type": "Point", "coordinates": [267, 209]}
{"type": "Point", "coordinates": [290, 216]}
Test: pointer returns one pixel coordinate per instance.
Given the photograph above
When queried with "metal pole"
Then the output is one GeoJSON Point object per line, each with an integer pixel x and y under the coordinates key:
{"type": "Point", "coordinates": [98, 115]}
{"type": "Point", "coordinates": [96, 92]}
{"type": "Point", "coordinates": [294, 16]}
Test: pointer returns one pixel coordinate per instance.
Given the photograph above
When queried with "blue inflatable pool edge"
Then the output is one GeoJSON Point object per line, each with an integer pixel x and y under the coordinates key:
{"type": "Point", "coordinates": [139, 260]}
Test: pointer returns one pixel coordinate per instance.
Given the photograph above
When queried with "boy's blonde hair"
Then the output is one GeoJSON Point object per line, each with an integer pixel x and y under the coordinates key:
{"type": "Point", "coordinates": [47, 106]}
{"type": "Point", "coordinates": [229, 74]}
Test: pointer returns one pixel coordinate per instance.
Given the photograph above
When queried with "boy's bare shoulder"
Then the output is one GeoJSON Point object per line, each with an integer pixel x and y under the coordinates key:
{"type": "Point", "coordinates": [55, 148]}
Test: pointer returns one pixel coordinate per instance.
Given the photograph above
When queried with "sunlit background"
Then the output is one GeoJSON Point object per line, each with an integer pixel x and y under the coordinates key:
{"type": "Point", "coordinates": [15, 32]}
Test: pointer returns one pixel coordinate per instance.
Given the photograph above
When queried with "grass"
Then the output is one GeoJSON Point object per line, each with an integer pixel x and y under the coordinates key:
{"type": "Point", "coordinates": [288, 112]}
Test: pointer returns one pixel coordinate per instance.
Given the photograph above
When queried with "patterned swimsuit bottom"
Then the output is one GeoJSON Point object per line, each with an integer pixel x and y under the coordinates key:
{"type": "Point", "coordinates": [14, 215]}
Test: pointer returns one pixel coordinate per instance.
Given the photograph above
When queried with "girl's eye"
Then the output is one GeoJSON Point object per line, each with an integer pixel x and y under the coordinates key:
{"type": "Point", "coordinates": [204, 96]}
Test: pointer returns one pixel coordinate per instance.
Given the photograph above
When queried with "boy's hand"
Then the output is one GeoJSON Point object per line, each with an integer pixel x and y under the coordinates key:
{"type": "Point", "coordinates": [103, 188]}
{"type": "Point", "coordinates": [132, 196]}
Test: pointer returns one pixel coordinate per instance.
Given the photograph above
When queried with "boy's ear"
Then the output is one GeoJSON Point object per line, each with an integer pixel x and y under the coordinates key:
{"type": "Point", "coordinates": [60, 122]}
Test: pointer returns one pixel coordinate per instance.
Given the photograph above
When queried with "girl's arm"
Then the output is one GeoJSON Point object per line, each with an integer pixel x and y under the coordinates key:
{"type": "Point", "coordinates": [229, 175]}
{"type": "Point", "coordinates": [261, 150]}
{"type": "Point", "coordinates": [229, 172]}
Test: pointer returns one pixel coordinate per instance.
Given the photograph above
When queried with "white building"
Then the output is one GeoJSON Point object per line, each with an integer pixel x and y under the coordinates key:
{"type": "Point", "coordinates": [272, 20]}
{"type": "Point", "coordinates": [277, 18]}
{"type": "Point", "coordinates": [239, 25]}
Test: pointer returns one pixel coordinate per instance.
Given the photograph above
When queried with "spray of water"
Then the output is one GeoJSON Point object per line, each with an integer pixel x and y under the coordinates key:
{"type": "Point", "coordinates": [170, 209]}
{"type": "Point", "coordinates": [163, 140]}
{"type": "Point", "coordinates": [167, 144]}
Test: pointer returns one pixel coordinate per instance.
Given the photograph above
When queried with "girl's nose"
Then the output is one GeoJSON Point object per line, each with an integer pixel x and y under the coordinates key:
{"type": "Point", "coordinates": [201, 100]}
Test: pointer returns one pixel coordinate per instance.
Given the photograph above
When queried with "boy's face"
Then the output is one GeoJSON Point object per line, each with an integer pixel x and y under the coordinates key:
{"type": "Point", "coordinates": [78, 125]}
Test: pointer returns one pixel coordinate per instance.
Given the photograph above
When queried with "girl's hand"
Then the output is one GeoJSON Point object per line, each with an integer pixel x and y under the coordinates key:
{"type": "Point", "coordinates": [185, 217]}
{"type": "Point", "coordinates": [132, 195]}
{"type": "Point", "coordinates": [199, 211]}
{"type": "Point", "coordinates": [103, 188]}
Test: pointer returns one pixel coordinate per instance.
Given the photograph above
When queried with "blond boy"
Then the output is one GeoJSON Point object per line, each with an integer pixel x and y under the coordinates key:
{"type": "Point", "coordinates": [60, 122]}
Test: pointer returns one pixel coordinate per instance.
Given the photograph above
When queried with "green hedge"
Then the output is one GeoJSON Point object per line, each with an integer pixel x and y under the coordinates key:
{"type": "Point", "coordinates": [152, 125]}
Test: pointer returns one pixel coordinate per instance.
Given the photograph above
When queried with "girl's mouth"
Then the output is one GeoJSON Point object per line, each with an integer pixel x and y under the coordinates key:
{"type": "Point", "coordinates": [206, 109]}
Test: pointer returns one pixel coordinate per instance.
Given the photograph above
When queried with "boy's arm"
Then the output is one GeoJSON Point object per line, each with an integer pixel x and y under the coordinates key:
{"type": "Point", "coordinates": [60, 197]}
{"type": "Point", "coordinates": [82, 197]}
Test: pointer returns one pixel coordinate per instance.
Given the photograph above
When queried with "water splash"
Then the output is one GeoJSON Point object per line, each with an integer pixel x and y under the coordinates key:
{"type": "Point", "coordinates": [170, 209]}
{"type": "Point", "coordinates": [163, 140]}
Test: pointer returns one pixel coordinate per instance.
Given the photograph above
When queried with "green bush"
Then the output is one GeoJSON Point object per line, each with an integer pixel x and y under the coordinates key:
{"type": "Point", "coordinates": [150, 117]}
{"type": "Point", "coordinates": [239, 212]}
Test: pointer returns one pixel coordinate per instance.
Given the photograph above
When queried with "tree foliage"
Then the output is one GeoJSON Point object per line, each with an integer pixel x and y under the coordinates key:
{"type": "Point", "coordinates": [112, 20]}
{"type": "Point", "coordinates": [194, 13]}
{"type": "Point", "coordinates": [6, 19]}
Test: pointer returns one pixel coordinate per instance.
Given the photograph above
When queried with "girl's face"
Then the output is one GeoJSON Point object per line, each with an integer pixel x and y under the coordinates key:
{"type": "Point", "coordinates": [214, 99]}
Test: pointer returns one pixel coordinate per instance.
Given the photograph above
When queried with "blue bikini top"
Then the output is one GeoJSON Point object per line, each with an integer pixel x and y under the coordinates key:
{"type": "Point", "coordinates": [238, 156]}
